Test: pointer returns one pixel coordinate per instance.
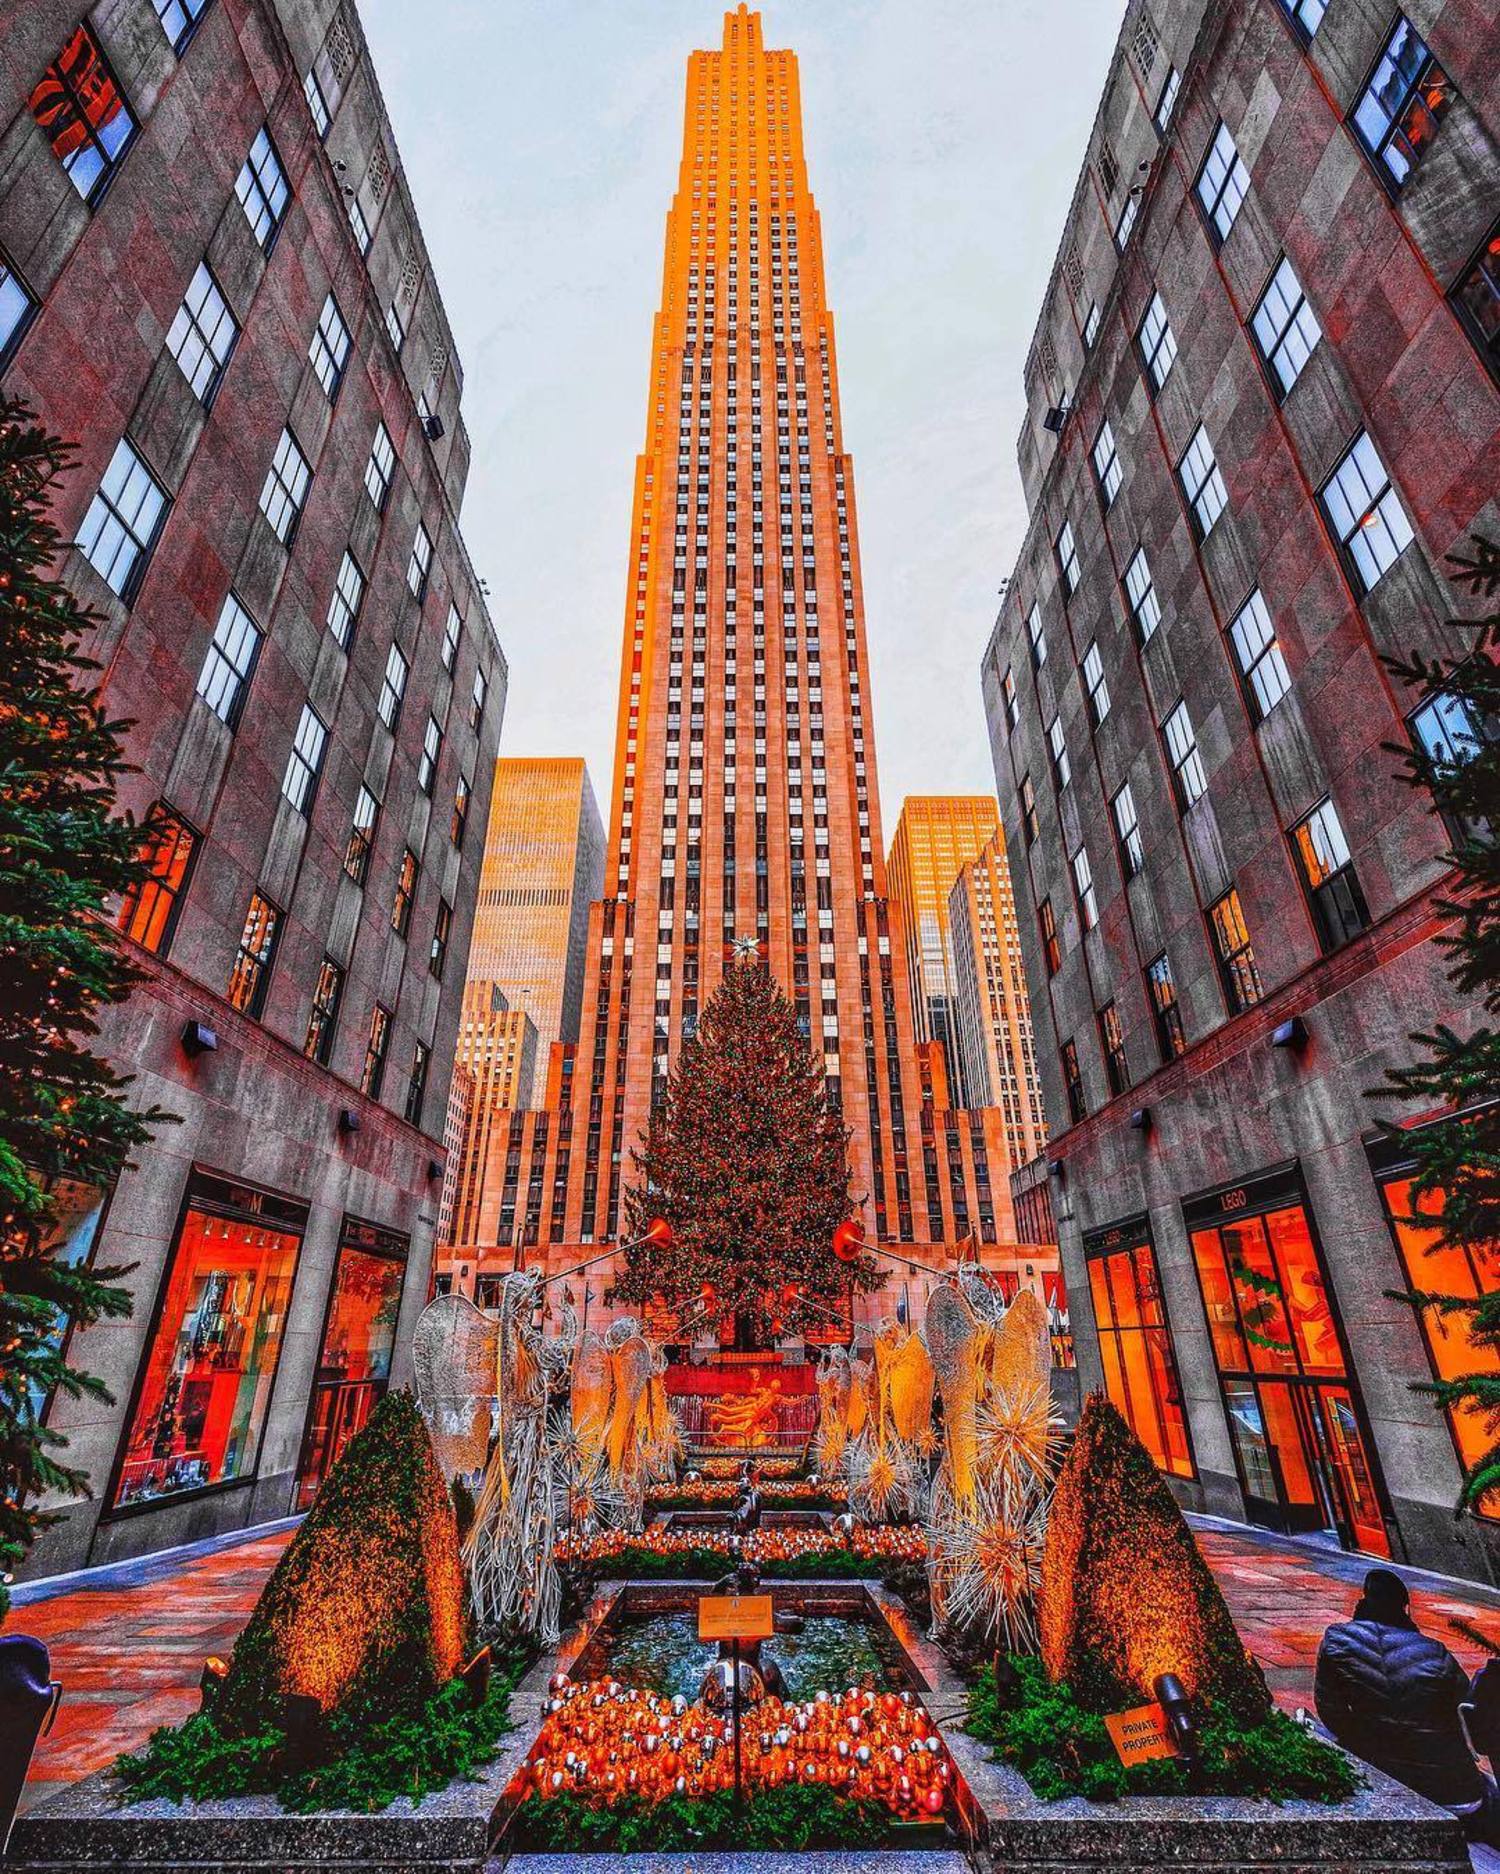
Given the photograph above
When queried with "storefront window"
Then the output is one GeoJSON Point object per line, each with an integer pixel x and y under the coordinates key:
{"type": "Point", "coordinates": [209, 1369]}
{"type": "Point", "coordinates": [1302, 1457]}
{"type": "Point", "coordinates": [355, 1363]}
{"type": "Point", "coordinates": [1447, 1270]}
{"type": "Point", "coordinates": [1140, 1370]}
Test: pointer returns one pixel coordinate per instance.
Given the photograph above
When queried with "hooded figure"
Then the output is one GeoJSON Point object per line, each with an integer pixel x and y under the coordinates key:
{"type": "Point", "coordinates": [1390, 1694]}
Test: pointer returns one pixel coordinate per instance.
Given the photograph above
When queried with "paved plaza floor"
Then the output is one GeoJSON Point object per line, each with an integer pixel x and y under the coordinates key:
{"type": "Point", "coordinates": [128, 1642]}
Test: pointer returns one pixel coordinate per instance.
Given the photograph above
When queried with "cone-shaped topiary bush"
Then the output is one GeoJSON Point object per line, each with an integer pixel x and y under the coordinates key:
{"type": "Point", "coordinates": [365, 1611]}
{"type": "Point", "coordinates": [1126, 1594]}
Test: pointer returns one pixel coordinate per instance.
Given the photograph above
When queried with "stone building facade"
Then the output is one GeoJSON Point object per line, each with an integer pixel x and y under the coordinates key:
{"type": "Point", "coordinates": [212, 280]}
{"type": "Point", "coordinates": [1261, 408]}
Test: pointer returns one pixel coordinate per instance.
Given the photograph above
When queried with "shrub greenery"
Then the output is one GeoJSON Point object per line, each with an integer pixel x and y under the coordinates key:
{"type": "Point", "coordinates": [789, 1819]}
{"type": "Point", "coordinates": [705, 1564]}
{"type": "Point", "coordinates": [1064, 1750]}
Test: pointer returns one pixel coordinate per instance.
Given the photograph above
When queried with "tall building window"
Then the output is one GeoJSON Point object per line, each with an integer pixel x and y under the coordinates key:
{"type": "Point", "coordinates": [285, 490]}
{"type": "Point", "coordinates": [82, 114]}
{"type": "Point", "coordinates": [1234, 953]}
{"type": "Point", "coordinates": [203, 334]}
{"type": "Point", "coordinates": [1140, 1369]}
{"type": "Point", "coordinates": [360, 227]}
{"type": "Point", "coordinates": [1037, 637]}
{"type": "Point", "coordinates": [380, 467]}
{"type": "Point", "coordinates": [416, 1086]}
{"type": "Point", "coordinates": [262, 190]}
{"type": "Point", "coordinates": [1083, 887]}
{"type": "Point", "coordinates": [1476, 296]}
{"type": "Point", "coordinates": [18, 307]}
{"type": "Point", "coordinates": [1450, 734]}
{"type": "Point", "coordinates": [1112, 1042]}
{"type": "Point", "coordinates": [329, 351]}
{"type": "Point", "coordinates": [210, 1366]}
{"type": "Point", "coordinates": [1305, 15]}
{"type": "Point", "coordinates": [361, 836]}
{"type": "Point", "coordinates": [372, 1075]}
{"type": "Point", "coordinates": [419, 566]}
{"type": "Point", "coordinates": [451, 634]}
{"type": "Point", "coordinates": [1167, 102]}
{"type": "Point", "coordinates": [1008, 697]}
{"type": "Point", "coordinates": [1202, 483]}
{"type": "Point", "coordinates": [1328, 877]}
{"type": "Point", "coordinates": [1284, 326]}
{"type": "Point", "coordinates": [1094, 683]}
{"type": "Point", "coordinates": [1365, 513]}
{"type": "Point", "coordinates": [230, 661]}
{"type": "Point", "coordinates": [478, 696]}
{"type": "Point", "coordinates": [395, 328]}
{"type": "Point", "coordinates": [1433, 1266]}
{"type": "Point", "coordinates": [1157, 345]}
{"type": "Point", "coordinates": [1051, 948]}
{"type": "Point", "coordinates": [1162, 993]}
{"type": "Point", "coordinates": [1144, 607]}
{"type": "Point", "coordinates": [442, 930]}
{"type": "Point", "coordinates": [432, 748]}
{"type": "Point", "coordinates": [1399, 110]}
{"type": "Point", "coordinates": [1223, 183]}
{"type": "Point", "coordinates": [406, 892]}
{"type": "Point", "coordinates": [392, 687]}
{"type": "Point", "coordinates": [251, 976]}
{"type": "Point", "coordinates": [1128, 832]}
{"type": "Point", "coordinates": [347, 597]}
{"type": "Point", "coordinates": [178, 18]}
{"type": "Point", "coordinates": [304, 763]}
{"type": "Point", "coordinates": [1182, 751]}
{"type": "Point", "coordinates": [1067, 557]}
{"type": "Point", "coordinates": [1258, 655]}
{"type": "Point", "coordinates": [124, 522]}
{"type": "Point", "coordinates": [1091, 326]}
{"type": "Point", "coordinates": [317, 105]}
{"type": "Point", "coordinates": [1107, 464]}
{"type": "Point", "coordinates": [1062, 768]}
{"type": "Point", "coordinates": [459, 823]}
{"type": "Point", "coordinates": [148, 911]}
{"type": "Point", "coordinates": [1029, 823]}
{"type": "Point", "coordinates": [1125, 225]}
{"type": "Point", "coordinates": [323, 1017]}
{"type": "Point", "coordinates": [1073, 1083]}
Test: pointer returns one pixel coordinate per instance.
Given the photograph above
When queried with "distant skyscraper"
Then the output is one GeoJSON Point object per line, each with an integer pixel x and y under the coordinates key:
{"type": "Point", "coordinates": [935, 836]}
{"type": "Point", "coordinates": [543, 867]}
{"type": "Point", "coordinates": [990, 1011]}
{"type": "Point", "coordinates": [745, 808]}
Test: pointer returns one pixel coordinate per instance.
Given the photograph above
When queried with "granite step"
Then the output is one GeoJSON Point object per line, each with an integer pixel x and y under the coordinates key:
{"type": "Point", "coordinates": [851, 1861]}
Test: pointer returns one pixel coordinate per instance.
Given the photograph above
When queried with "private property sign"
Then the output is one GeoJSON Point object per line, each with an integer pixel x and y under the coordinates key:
{"type": "Point", "coordinates": [1139, 1734]}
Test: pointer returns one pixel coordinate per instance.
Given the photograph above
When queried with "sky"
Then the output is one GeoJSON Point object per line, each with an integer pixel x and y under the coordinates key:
{"type": "Point", "coordinates": [541, 141]}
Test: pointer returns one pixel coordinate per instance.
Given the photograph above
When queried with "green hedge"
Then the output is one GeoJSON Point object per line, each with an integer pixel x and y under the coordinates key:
{"type": "Point", "coordinates": [794, 1817]}
{"type": "Point", "coordinates": [1063, 1750]}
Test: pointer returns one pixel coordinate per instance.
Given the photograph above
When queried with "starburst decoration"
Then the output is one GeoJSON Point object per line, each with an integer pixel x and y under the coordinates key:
{"type": "Point", "coordinates": [1018, 1429]}
{"type": "Point", "coordinates": [986, 1560]}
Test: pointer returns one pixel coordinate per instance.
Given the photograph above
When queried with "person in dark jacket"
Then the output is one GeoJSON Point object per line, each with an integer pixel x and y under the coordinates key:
{"type": "Point", "coordinates": [1390, 1694]}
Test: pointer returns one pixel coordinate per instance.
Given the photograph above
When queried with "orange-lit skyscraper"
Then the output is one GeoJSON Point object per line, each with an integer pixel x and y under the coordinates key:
{"type": "Point", "coordinates": [744, 809]}
{"type": "Point", "coordinates": [936, 835]}
{"type": "Point", "coordinates": [991, 1011]}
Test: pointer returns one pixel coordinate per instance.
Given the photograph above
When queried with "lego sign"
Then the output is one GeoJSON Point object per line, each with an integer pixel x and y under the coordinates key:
{"type": "Point", "coordinates": [1140, 1734]}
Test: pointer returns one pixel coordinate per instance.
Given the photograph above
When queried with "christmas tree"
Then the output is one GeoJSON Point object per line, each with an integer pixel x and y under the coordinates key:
{"type": "Point", "coordinates": [747, 1161]}
{"type": "Point", "coordinates": [63, 855]}
{"type": "Point", "coordinates": [1456, 1187]}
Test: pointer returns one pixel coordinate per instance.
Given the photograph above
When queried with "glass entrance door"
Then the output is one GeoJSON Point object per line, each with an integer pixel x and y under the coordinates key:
{"type": "Point", "coordinates": [355, 1362]}
{"type": "Point", "coordinates": [1304, 1461]}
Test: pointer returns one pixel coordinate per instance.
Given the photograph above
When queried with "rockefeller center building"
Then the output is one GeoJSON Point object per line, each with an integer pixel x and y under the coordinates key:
{"type": "Point", "coordinates": [1262, 408]}
{"type": "Point", "coordinates": [212, 281]}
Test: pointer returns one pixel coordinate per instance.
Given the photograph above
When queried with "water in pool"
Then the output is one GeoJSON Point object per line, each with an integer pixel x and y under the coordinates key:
{"type": "Point", "coordinates": [664, 1654]}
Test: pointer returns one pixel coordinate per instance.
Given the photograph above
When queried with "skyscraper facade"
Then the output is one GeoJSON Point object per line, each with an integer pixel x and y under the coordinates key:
{"type": "Point", "coordinates": [543, 869]}
{"type": "Point", "coordinates": [1262, 409]}
{"type": "Point", "coordinates": [213, 282]}
{"type": "Point", "coordinates": [936, 834]}
{"type": "Point", "coordinates": [744, 811]}
{"type": "Point", "coordinates": [990, 1007]}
